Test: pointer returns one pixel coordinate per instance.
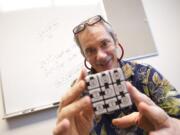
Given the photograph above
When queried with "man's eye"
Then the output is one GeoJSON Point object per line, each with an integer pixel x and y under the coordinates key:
{"type": "Point", "coordinates": [105, 44]}
{"type": "Point", "coordinates": [90, 51]}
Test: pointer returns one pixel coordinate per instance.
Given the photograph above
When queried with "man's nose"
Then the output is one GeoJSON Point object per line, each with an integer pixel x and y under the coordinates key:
{"type": "Point", "coordinates": [101, 54]}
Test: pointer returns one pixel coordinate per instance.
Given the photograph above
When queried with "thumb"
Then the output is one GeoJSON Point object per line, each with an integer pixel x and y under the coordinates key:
{"type": "Point", "coordinates": [159, 132]}
{"type": "Point", "coordinates": [126, 121]}
{"type": "Point", "coordinates": [137, 96]}
{"type": "Point", "coordinates": [154, 114]}
{"type": "Point", "coordinates": [62, 128]}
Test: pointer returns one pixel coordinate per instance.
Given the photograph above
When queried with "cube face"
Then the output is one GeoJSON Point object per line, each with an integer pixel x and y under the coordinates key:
{"type": "Point", "coordinates": [112, 104]}
{"type": "Point", "coordinates": [125, 100]}
{"type": "Point", "coordinates": [108, 91]}
{"type": "Point", "coordinates": [92, 82]}
{"type": "Point", "coordinates": [95, 95]}
{"type": "Point", "coordinates": [117, 75]}
{"type": "Point", "coordinates": [99, 107]}
{"type": "Point", "coordinates": [119, 88]}
{"type": "Point", "coordinates": [104, 78]}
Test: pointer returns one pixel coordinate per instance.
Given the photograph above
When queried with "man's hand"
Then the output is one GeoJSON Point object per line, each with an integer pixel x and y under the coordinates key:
{"type": "Point", "coordinates": [150, 117]}
{"type": "Point", "coordinates": [75, 114]}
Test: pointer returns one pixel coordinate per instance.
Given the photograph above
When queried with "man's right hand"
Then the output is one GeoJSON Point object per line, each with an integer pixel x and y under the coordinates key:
{"type": "Point", "coordinates": [150, 117]}
{"type": "Point", "coordinates": [75, 114]}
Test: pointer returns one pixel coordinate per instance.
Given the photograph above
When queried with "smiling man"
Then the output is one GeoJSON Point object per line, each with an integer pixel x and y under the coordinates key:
{"type": "Point", "coordinates": [99, 46]}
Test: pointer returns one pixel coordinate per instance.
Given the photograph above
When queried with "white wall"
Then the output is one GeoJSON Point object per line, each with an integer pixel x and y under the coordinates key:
{"type": "Point", "coordinates": [164, 19]}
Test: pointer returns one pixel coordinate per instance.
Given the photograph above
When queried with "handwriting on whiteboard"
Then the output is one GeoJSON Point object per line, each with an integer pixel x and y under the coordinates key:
{"type": "Point", "coordinates": [62, 67]}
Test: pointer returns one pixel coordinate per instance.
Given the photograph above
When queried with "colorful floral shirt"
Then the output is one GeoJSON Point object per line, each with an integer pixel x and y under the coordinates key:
{"type": "Point", "coordinates": [150, 82]}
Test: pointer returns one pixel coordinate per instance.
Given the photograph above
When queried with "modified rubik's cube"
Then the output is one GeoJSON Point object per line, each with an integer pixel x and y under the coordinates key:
{"type": "Point", "coordinates": [108, 91]}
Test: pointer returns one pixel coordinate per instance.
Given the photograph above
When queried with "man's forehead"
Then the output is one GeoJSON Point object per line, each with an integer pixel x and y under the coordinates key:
{"type": "Point", "coordinates": [93, 30]}
{"type": "Point", "coordinates": [93, 35]}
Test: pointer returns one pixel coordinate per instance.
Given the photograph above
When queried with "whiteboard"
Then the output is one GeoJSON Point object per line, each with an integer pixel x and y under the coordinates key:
{"type": "Point", "coordinates": [38, 56]}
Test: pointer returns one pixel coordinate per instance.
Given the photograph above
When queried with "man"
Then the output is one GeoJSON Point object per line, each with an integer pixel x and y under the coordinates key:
{"type": "Point", "coordinates": [98, 44]}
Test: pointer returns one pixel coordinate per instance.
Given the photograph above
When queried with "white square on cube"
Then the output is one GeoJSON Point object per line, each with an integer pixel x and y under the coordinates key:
{"type": "Point", "coordinates": [125, 101]}
{"type": "Point", "coordinates": [99, 107]}
{"type": "Point", "coordinates": [95, 94]}
{"type": "Point", "coordinates": [109, 92]}
{"type": "Point", "coordinates": [117, 74]}
{"type": "Point", "coordinates": [92, 81]}
{"type": "Point", "coordinates": [104, 78]}
{"type": "Point", "coordinates": [120, 88]}
{"type": "Point", "coordinates": [112, 104]}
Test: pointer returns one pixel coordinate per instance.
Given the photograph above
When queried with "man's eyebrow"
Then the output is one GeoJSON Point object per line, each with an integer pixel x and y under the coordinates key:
{"type": "Point", "coordinates": [105, 40]}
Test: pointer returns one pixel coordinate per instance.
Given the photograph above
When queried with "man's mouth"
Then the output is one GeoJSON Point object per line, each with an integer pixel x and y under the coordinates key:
{"type": "Point", "coordinates": [106, 62]}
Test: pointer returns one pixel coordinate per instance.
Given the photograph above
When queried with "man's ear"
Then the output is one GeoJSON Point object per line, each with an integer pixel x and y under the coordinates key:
{"type": "Point", "coordinates": [115, 38]}
{"type": "Point", "coordinates": [117, 51]}
{"type": "Point", "coordinates": [116, 44]}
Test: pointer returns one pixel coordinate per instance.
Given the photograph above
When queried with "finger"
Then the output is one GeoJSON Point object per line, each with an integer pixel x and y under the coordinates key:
{"type": "Point", "coordinates": [88, 113]}
{"type": "Point", "coordinates": [138, 96]}
{"type": "Point", "coordinates": [62, 128]}
{"type": "Point", "coordinates": [73, 94]}
{"type": "Point", "coordinates": [83, 74]}
{"type": "Point", "coordinates": [79, 105]}
{"type": "Point", "coordinates": [154, 114]}
{"type": "Point", "coordinates": [75, 91]}
{"type": "Point", "coordinates": [74, 108]}
{"type": "Point", "coordinates": [155, 133]}
{"type": "Point", "coordinates": [126, 121]}
{"type": "Point", "coordinates": [86, 120]}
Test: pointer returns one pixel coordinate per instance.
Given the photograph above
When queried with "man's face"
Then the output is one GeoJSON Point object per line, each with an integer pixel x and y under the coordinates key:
{"type": "Point", "coordinates": [98, 47]}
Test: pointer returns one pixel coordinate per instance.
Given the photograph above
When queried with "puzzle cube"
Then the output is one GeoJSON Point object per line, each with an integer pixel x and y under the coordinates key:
{"type": "Point", "coordinates": [108, 91]}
